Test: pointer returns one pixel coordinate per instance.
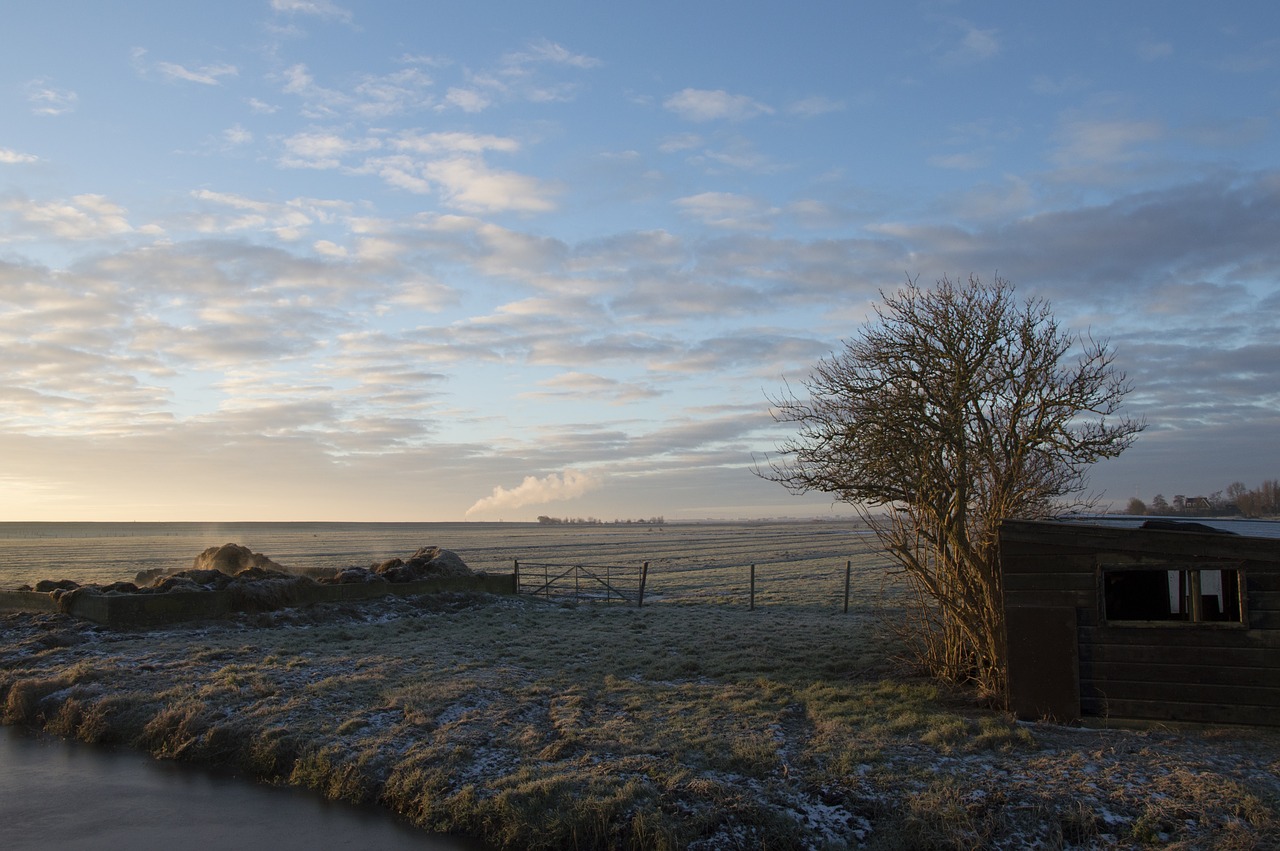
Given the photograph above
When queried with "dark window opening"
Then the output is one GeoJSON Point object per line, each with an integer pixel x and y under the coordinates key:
{"type": "Point", "coordinates": [1172, 593]}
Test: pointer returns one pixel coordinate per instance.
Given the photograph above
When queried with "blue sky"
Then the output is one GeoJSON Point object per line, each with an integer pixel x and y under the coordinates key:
{"type": "Point", "coordinates": [303, 259]}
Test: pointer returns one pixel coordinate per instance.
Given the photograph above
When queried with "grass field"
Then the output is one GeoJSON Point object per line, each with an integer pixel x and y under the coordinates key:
{"type": "Point", "coordinates": [693, 722]}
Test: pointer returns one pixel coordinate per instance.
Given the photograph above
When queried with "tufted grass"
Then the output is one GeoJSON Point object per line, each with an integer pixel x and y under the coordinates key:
{"type": "Point", "coordinates": [692, 722]}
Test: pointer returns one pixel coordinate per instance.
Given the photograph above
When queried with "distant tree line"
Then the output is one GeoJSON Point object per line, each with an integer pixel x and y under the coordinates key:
{"type": "Point", "coordinates": [595, 521]}
{"type": "Point", "coordinates": [1262, 501]}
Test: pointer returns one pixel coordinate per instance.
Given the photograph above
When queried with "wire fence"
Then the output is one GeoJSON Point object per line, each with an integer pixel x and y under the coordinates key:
{"type": "Point", "coordinates": [830, 577]}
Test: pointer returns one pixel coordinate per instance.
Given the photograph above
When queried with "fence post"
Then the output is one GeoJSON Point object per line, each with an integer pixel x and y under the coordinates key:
{"type": "Point", "coordinates": [848, 573]}
{"type": "Point", "coordinates": [516, 561]}
{"type": "Point", "coordinates": [752, 606]}
{"type": "Point", "coordinates": [577, 572]}
{"type": "Point", "coordinates": [644, 577]}
{"type": "Point", "coordinates": [546, 580]}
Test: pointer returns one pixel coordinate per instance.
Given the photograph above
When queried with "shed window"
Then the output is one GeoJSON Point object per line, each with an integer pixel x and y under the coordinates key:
{"type": "Point", "coordinates": [1185, 593]}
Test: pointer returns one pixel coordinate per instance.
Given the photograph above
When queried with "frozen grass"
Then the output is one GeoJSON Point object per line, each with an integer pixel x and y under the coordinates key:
{"type": "Point", "coordinates": [690, 723]}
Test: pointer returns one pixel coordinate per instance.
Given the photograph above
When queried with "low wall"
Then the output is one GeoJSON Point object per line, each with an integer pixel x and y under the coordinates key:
{"type": "Point", "coordinates": [129, 610]}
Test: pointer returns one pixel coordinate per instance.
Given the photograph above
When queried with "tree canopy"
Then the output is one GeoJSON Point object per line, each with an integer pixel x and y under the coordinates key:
{"type": "Point", "coordinates": [955, 407]}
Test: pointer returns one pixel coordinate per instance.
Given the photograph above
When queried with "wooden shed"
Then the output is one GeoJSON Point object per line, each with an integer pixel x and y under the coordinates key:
{"type": "Point", "coordinates": [1179, 624]}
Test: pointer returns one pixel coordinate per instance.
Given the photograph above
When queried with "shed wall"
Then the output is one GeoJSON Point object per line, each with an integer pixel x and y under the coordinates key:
{"type": "Point", "coordinates": [1207, 672]}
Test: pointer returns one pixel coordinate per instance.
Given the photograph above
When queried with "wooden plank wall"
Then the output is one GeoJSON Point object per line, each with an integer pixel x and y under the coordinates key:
{"type": "Point", "coordinates": [1210, 672]}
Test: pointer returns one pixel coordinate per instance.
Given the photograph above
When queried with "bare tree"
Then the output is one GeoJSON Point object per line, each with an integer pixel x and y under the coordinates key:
{"type": "Point", "coordinates": [957, 407]}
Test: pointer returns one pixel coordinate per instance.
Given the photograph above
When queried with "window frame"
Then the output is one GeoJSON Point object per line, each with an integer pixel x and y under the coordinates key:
{"type": "Point", "coordinates": [1193, 597]}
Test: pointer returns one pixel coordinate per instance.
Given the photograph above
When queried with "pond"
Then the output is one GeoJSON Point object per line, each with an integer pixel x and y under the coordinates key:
{"type": "Point", "coordinates": [71, 796]}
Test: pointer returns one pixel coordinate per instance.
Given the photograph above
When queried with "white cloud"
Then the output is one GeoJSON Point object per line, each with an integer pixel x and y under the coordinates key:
{"type": "Point", "coordinates": [318, 8]}
{"type": "Point", "coordinates": [712, 105]}
{"type": "Point", "coordinates": [402, 172]}
{"type": "Point", "coordinates": [288, 221]}
{"type": "Point", "coordinates": [328, 248]}
{"type": "Point", "coordinates": [976, 45]}
{"type": "Point", "coordinates": [8, 156]}
{"type": "Point", "coordinates": [1102, 141]}
{"type": "Point", "coordinates": [237, 135]}
{"type": "Point", "coordinates": [543, 50]}
{"type": "Point", "coordinates": [318, 149]}
{"type": "Point", "coordinates": [469, 184]}
{"type": "Point", "coordinates": [319, 102]}
{"type": "Point", "coordinates": [535, 491]}
{"type": "Point", "coordinates": [815, 105]}
{"type": "Point", "coordinates": [452, 142]}
{"type": "Point", "coordinates": [591, 387]}
{"type": "Point", "coordinates": [208, 75]}
{"type": "Point", "coordinates": [392, 94]}
{"type": "Point", "coordinates": [739, 155]}
{"type": "Point", "coordinates": [374, 97]}
{"type": "Point", "coordinates": [468, 100]}
{"type": "Point", "coordinates": [47, 99]}
{"type": "Point", "coordinates": [681, 142]}
{"type": "Point", "coordinates": [85, 216]}
{"type": "Point", "coordinates": [726, 210]}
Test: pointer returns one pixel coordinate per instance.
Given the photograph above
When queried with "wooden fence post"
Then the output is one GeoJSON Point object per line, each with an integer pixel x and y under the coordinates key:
{"type": "Point", "coordinates": [848, 574]}
{"type": "Point", "coordinates": [644, 577]}
{"type": "Point", "coordinates": [752, 606]}
{"type": "Point", "coordinates": [516, 561]}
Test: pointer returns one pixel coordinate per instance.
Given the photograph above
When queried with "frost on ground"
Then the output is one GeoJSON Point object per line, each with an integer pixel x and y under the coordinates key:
{"type": "Point", "coordinates": [678, 725]}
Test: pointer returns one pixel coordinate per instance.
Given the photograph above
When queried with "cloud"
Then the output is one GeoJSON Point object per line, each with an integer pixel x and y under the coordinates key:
{"type": "Point", "coordinates": [535, 491]}
{"type": "Point", "coordinates": [544, 51]}
{"type": "Point", "coordinates": [815, 105]}
{"type": "Point", "coordinates": [681, 142]}
{"type": "Point", "coordinates": [322, 150]}
{"type": "Point", "coordinates": [976, 45]}
{"type": "Point", "coordinates": [713, 105]}
{"type": "Point", "coordinates": [1087, 142]}
{"type": "Point", "coordinates": [469, 184]}
{"type": "Point", "coordinates": [726, 210]}
{"type": "Point", "coordinates": [372, 98]}
{"type": "Point", "coordinates": [87, 216]}
{"type": "Point", "coordinates": [453, 143]}
{"type": "Point", "coordinates": [591, 387]}
{"type": "Point", "coordinates": [237, 135]}
{"type": "Point", "coordinates": [392, 94]}
{"type": "Point", "coordinates": [287, 221]}
{"type": "Point", "coordinates": [208, 75]}
{"type": "Point", "coordinates": [739, 155]}
{"type": "Point", "coordinates": [47, 99]}
{"type": "Point", "coordinates": [317, 8]}
{"type": "Point", "coordinates": [8, 156]}
{"type": "Point", "coordinates": [468, 100]}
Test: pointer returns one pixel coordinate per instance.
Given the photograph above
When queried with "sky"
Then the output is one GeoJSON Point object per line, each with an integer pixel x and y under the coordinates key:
{"type": "Point", "coordinates": [427, 261]}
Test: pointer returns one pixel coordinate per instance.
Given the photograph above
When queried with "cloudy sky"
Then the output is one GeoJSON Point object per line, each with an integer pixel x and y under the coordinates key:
{"type": "Point", "coordinates": [316, 259]}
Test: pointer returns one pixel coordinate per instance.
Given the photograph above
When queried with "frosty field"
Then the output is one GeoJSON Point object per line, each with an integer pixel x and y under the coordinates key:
{"type": "Point", "coordinates": [693, 722]}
